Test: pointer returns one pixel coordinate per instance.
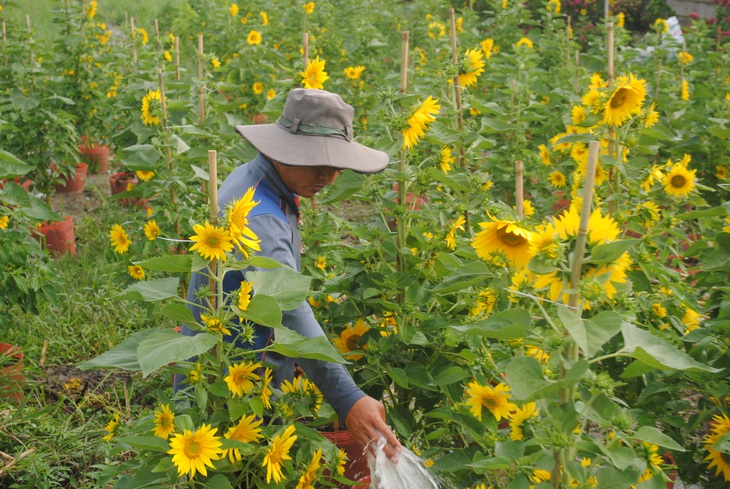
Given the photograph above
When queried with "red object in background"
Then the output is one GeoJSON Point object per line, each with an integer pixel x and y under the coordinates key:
{"type": "Point", "coordinates": [74, 183]}
{"type": "Point", "coordinates": [59, 236]}
{"type": "Point", "coordinates": [357, 467]}
{"type": "Point", "coordinates": [11, 373]}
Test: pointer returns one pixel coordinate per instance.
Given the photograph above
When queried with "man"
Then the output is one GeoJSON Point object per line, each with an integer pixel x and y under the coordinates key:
{"type": "Point", "coordinates": [298, 156]}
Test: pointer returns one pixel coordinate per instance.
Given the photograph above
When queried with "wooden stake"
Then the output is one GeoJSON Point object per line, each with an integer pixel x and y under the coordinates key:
{"type": "Point", "coordinates": [519, 191]}
{"type": "Point", "coordinates": [305, 49]}
{"type": "Point", "coordinates": [168, 152]}
{"type": "Point", "coordinates": [610, 55]}
{"type": "Point", "coordinates": [457, 87]}
{"type": "Point", "coordinates": [5, 37]}
{"type": "Point", "coordinates": [681, 61]}
{"type": "Point", "coordinates": [404, 62]}
{"type": "Point", "coordinates": [30, 39]}
{"type": "Point", "coordinates": [201, 74]}
{"type": "Point", "coordinates": [402, 163]}
{"type": "Point", "coordinates": [177, 58]}
{"type": "Point", "coordinates": [134, 44]}
{"type": "Point", "coordinates": [567, 40]}
{"type": "Point", "coordinates": [213, 212]}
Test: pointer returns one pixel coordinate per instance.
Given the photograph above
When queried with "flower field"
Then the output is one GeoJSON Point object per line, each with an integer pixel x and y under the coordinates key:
{"type": "Point", "coordinates": [534, 287]}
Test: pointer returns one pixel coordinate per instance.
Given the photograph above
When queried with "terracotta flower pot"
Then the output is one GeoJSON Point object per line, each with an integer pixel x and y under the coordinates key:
{"type": "Point", "coordinates": [118, 183]}
{"type": "Point", "coordinates": [59, 236]}
{"type": "Point", "coordinates": [96, 156]}
{"type": "Point", "coordinates": [11, 373]}
{"type": "Point", "coordinates": [357, 467]}
{"type": "Point", "coordinates": [74, 183]}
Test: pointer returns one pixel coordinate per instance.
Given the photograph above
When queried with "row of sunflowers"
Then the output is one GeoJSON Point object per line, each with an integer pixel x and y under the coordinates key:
{"type": "Point", "coordinates": [535, 288]}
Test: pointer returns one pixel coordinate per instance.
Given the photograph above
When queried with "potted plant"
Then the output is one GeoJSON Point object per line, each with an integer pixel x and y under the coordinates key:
{"type": "Point", "coordinates": [11, 373]}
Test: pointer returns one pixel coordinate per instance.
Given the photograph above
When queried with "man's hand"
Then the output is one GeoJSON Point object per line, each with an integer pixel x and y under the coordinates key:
{"type": "Point", "coordinates": [366, 421]}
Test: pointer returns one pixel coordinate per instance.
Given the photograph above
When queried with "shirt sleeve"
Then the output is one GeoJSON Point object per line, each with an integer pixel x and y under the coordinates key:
{"type": "Point", "coordinates": [335, 382]}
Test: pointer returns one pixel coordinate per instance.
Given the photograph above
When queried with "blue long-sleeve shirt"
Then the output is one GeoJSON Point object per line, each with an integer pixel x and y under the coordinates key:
{"type": "Point", "coordinates": [275, 221]}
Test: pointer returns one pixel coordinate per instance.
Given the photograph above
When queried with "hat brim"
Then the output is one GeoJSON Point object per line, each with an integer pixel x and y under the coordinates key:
{"type": "Point", "coordinates": [309, 150]}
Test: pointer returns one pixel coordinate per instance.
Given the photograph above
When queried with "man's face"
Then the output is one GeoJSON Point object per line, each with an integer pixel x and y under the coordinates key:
{"type": "Point", "coordinates": [305, 181]}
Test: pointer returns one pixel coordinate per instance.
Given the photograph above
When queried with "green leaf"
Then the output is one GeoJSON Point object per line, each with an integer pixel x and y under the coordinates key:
{"type": "Point", "coordinates": [218, 481]}
{"type": "Point", "coordinates": [659, 132]}
{"type": "Point", "coordinates": [484, 465]}
{"type": "Point", "coordinates": [576, 138]}
{"type": "Point", "coordinates": [293, 345]}
{"type": "Point", "coordinates": [150, 290]}
{"type": "Point", "coordinates": [466, 276]}
{"type": "Point", "coordinates": [167, 346]}
{"type": "Point", "coordinates": [590, 334]}
{"type": "Point", "coordinates": [398, 375]}
{"type": "Point", "coordinates": [11, 166]}
{"type": "Point", "coordinates": [610, 478]}
{"type": "Point", "coordinates": [609, 252]}
{"type": "Point", "coordinates": [527, 382]}
{"type": "Point", "coordinates": [450, 375]}
{"type": "Point", "coordinates": [656, 352]}
{"type": "Point", "coordinates": [140, 156]}
{"type": "Point", "coordinates": [512, 323]}
{"type": "Point", "coordinates": [123, 356]}
{"type": "Point", "coordinates": [20, 101]}
{"type": "Point", "coordinates": [496, 125]}
{"type": "Point", "coordinates": [178, 144]}
{"type": "Point", "coordinates": [444, 134]}
{"type": "Point", "coordinates": [262, 310]}
{"type": "Point", "coordinates": [653, 435]}
{"type": "Point", "coordinates": [170, 263]}
{"type": "Point", "coordinates": [264, 262]}
{"type": "Point", "coordinates": [153, 443]}
{"type": "Point", "coordinates": [719, 132]}
{"type": "Point", "coordinates": [179, 312]}
{"type": "Point", "coordinates": [345, 185]}
{"type": "Point", "coordinates": [287, 286]}
{"type": "Point", "coordinates": [719, 258]}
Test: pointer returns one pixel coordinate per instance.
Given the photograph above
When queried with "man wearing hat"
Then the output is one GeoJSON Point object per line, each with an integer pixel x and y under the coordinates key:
{"type": "Point", "coordinates": [298, 156]}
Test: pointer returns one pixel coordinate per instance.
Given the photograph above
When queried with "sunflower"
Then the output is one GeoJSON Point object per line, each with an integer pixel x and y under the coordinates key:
{"type": "Point", "coordinates": [519, 418]}
{"type": "Point", "coordinates": [684, 91]}
{"type": "Point", "coordinates": [234, 9]}
{"type": "Point", "coordinates": [258, 88]}
{"type": "Point", "coordinates": [215, 62]}
{"type": "Point", "coordinates": [247, 430]}
{"type": "Point", "coordinates": [111, 428]}
{"type": "Point", "coordinates": [679, 181]}
{"type": "Point", "coordinates": [192, 451]}
{"type": "Point", "coordinates": [341, 462]}
{"type": "Point", "coordinates": [145, 175]}
{"type": "Point", "coordinates": [4, 222]}
{"type": "Point", "coordinates": [557, 179]}
{"type": "Point", "coordinates": [321, 262]}
{"type": "Point", "coordinates": [151, 230]}
{"type": "Point", "coordinates": [194, 374]}
{"type": "Point", "coordinates": [266, 391]}
{"type": "Point", "coordinates": [620, 19]}
{"type": "Point", "coordinates": [626, 100]}
{"type": "Point", "coordinates": [691, 319]}
{"type": "Point", "coordinates": [721, 173]}
{"type": "Point", "coordinates": [244, 295]}
{"type": "Point", "coordinates": [485, 303]}
{"type": "Point", "coordinates": [270, 94]}
{"type": "Point", "coordinates": [308, 8]}
{"type": "Point", "coordinates": [241, 378]}
{"type": "Point", "coordinates": [652, 116]}
{"type": "Point", "coordinates": [310, 475]}
{"type": "Point", "coordinates": [488, 47]}
{"type": "Point", "coordinates": [215, 325]}
{"type": "Point", "coordinates": [164, 419]}
{"type": "Point", "coordinates": [446, 159]}
{"type": "Point", "coordinates": [684, 57]}
{"type": "Point", "coordinates": [472, 66]}
{"type": "Point", "coordinates": [577, 114]}
{"type": "Point", "coordinates": [553, 6]}
{"type": "Point", "coordinates": [654, 174]}
{"type": "Point", "coordinates": [525, 41]}
{"type": "Point", "coordinates": [496, 399]}
{"type": "Point", "coordinates": [238, 229]}
{"type": "Point", "coordinates": [721, 461]}
{"type": "Point", "coordinates": [592, 100]}
{"type": "Point", "coordinates": [315, 76]}
{"type": "Point", "coordinates": [545, 155]}
{"type": "Point", "coordinates": [505, 237]}
{"type": "Point", "coordinates": [458, 224]}
{"type": "Point", "coordinates": [539, 475]}
{"type": "Point", "coordinates": [264, 18]}
{"type": "Point", "coordinates": [661, 26]}
{"type": "Point", "coordinates": [254, 37]}
{"type": "Point", "coordinates": [436, 30]}
{"type": "Point", "coordinates": [151, 108]}
{"type": "Point", "coordinates": [601, 229]}
{"type": "Point", "coordinates": [419, 121]}
{"type": "Point", "coordinates": [120, 240]}
{"type": "Point", "coordinates": [211, 242]}
{"type": "Point", "coordinates": [278, 453]}
{"type": "Point", "coordinates": [354, 72]}
{"type": "Point", "coordinates": [136, 272]}
{"type": "Point", "coordinates": [350, 337]}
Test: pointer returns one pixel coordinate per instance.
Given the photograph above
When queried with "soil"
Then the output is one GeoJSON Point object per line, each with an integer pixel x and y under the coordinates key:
{"type": "Point", "coordinates": [78, 204]}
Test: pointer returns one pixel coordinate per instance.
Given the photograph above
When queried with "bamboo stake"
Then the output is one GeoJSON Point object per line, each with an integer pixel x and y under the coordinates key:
{"type": "Point", "coordinates": [5, 37]}
{"type": "Point", "coordinates": [610, 55]}
{"type": "Point", "coordinates": [30, 39]}
{"type": "Point", "coordinates": [177, 58]}
{"type": "Point", "coordinates": [402, 161]}
{"type": "Point", "coordinates": [305, 49]}
{"type": "Point", "coordinates": [457, 87]}
{"type": "Point", "coordinates": [134, 44]}
{"type": "Point", "coordinates": [201, 74]}
{"type": "Point", "coordinates": [567, 41]}
{"type": "Point", "coordinates": [168, 152]}
{"type": "Point", "coordinates": [681, 61]}
{"type": "Point", "coordinates": [213, 213]}
{"type": "Point", "coordinates": [519, 190]}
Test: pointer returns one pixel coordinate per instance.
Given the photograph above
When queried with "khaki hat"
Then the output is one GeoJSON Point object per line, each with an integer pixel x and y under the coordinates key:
{"type": "Point", "coordinates": [315, 130]}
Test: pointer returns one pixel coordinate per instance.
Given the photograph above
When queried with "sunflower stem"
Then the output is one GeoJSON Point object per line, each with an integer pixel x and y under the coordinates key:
{"type": "Point", "coordinates": [402, 166]}
{"type": "Point", "coordinates": [460, 161]}
{"type": "Point", "coordinates": [213, 215]}
{"type": "Point", "coordinates": [134, 44]}
{"type": "Point", "coordinates": [519, 190]}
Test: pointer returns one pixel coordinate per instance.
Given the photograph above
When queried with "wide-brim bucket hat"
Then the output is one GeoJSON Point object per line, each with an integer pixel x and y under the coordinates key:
{"type": "Point", "coordinates": [315, 129]}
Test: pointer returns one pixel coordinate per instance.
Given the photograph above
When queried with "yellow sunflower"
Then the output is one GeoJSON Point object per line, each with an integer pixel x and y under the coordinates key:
{"type": "Point", "coordinates": [192, 450]}
{"type": "Point", "coordinates": [111, 428]}
{"type": "Point", "coordinates": [151, 230]}
{"type": "Point", "coordinates": [309, 476]}
{"type": "Point", "coordinates": [684, 57]}
{"type": "Point", "coordinates": [264, 18]}
{"type": "Point", "coordinates": [246, 431]}
{"type": "Point", "coordinates": [258, 88]}
{"type": "Point", "coordinates": [4, 222]}
{"type": "Point", "coordinates": [120, 240]}
{"type": "Point", "coordinates": [354, 72]}
{"type": "Point", "coordinates": [151, 108]}
{"type": "Point", "coordinates": [720, 461]}
{"type": "Point", "coordinates": [419, 120]}
{"type": "Point", "coordinates": [278, 453]}
{"type": "Point", "coordinates": [506, 237]}
{"type": "Point", "coordinates": [495, 399]}
{"type": "Point", "coordinates": [266, 391]}
{"type": "Point", "coordinates": [661, 26]}
{"type": "Point", "coordinates": [308, 8]}
{"type": "Point", "coordinates": [350, 337]}
{"type": "Point", "coordinates": [472, 65]}
{"type": "Point", "coordinates": [684, 90]}
{"type": "Point", "coordinates": [652, 116]}
{"type": "Point", "coordinates": [626, 100]}
{"type": "Point", "coordinates": [233, 10]}
{"type": "Point", "coordinates": [446, 159]}
{"type": "Point", "coordinates": [211, 242]}
{"type": "Point", "coordinates": [164, 419]}
{"type": "Point", "coordinates": [679, 181]}
{"type": "Point", "coordinates": [241, 378]}
{"type": "Point", "coordinates": [488, 47]}
{"type": "Point", "coordinates": [458, 224]}
{"type": "Point", "coordinates": [136, 272]}
{"type": "Point", "coordinates": [601, 229]}
{"type": "Point", "coordinates": [145, 175]}
{"type": "Point", "coordinates": [315, 76]}
{"type": "Point", "coordinates": [525, 41]}
{"type": "Point", "coordinates": [238, 230]}
{"type": "Point", "coordinates": [254, 37]}
{"type": "Point", "coordinates": [244, 295]}
{"type": "Point", "coordinates": [545, 155]}
{"type": "Point", "coordinates": [519, 418]}
{"type": "Point", "coordinates": [215, 325]}
{"type": "Point", "coordinates": [557, 179]}
{"type": "Point", "coordinates": [577, 114]}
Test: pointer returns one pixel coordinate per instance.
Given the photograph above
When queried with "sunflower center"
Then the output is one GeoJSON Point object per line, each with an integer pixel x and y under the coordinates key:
{"type": "Point", "coordinates": [165, 422]}
{"type": "Point", "coordinates": [510, 239]}
{"type": "Point", "coordinates": [352, 342]}
{"type": "Point", "coordinates": [192, 450]}
{"type": "Point", "coordinates": [489, 403]}
{"type": "Point", "coordinates": [619, 98]}
{"type": "Point", "coordinates": [678, 181]}
{"type": "Point", "coordinates": [212, 241]}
